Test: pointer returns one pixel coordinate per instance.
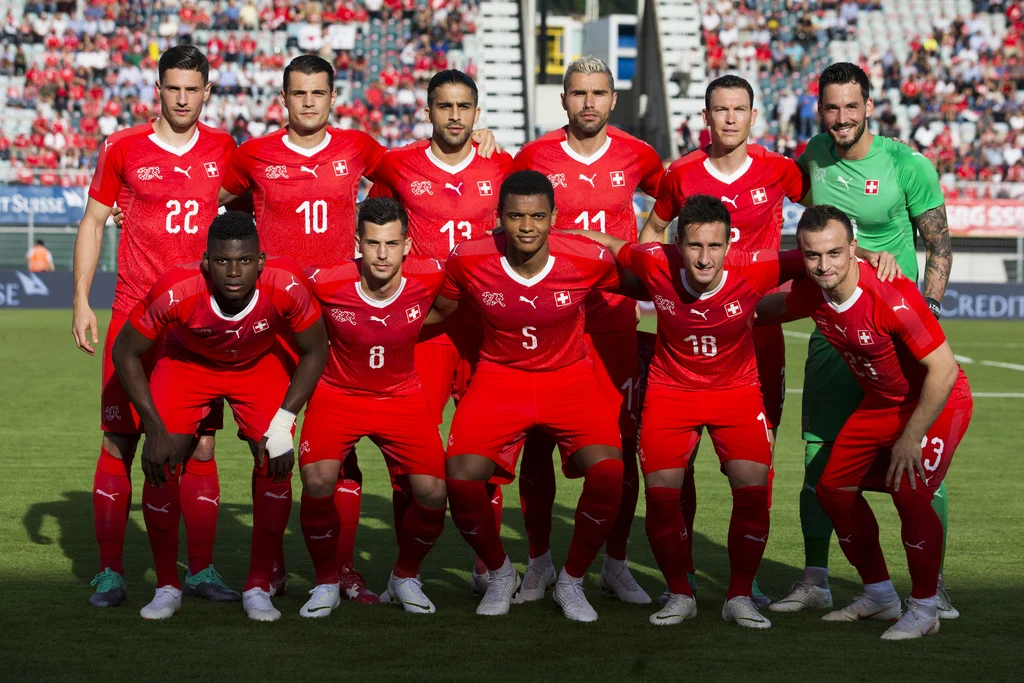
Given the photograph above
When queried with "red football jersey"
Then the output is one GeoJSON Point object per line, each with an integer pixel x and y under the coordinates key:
{"type": "Point", "coordinates": [596, 193]}
{"type": "Point", "coordinates": [305, 199]}
{"type": "Point", "coordinates": [182, 303]}
{"type": "Point", "coordinates": [882, 332]}
{"type": "Point", "coordinates": [372, 341]}
{"type": "Point", "coordinates": [706, 341]}
{"type": "Point", "coordinates": [753, 195]}
{"type": "Point", "coordinates": [446, 204]}
{"type": "Point", "coordinates": [168, 196]}
{"type": "Point", "coordinates": [534, 324]}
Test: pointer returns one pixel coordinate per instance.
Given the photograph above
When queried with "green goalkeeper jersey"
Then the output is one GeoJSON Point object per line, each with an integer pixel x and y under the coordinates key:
{"type": "Point", "coordinates": [881, 193]}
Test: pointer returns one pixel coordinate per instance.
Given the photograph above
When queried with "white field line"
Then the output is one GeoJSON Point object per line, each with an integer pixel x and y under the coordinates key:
{"type": "Point", "coordinates": [975, 394]}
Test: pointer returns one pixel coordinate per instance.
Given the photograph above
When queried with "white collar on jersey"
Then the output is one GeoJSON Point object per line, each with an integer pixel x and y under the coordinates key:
{"type": "Point", "coordinates": [573, 154]}
{"type": "Point", "coordinates": [376, 303]}
{"type": "Point", "coordinates": [237, 316]}
{"type": "Point", "coordinates": [308, 153]}
{"type": "Point", "coordinates": [705, 295]}
{"type": "Point", "coordinates": [177, 151]}
{"type": "Point", "coordinates": [533, 280]}
{"type": "Point", "coordinates": [846, 305]}
{"type": "Point", "coordinates": [447, 168]}
{"type": "Point", "coordinates": [728, 179]}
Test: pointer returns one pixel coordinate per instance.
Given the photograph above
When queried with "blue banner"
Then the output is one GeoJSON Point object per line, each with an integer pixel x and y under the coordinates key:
{"type": "Point", "coordinates": [48, 205]}
{"type": "Point", "coordinates": [980, 301]}
{"type": "Point", "coordinates": [21, 289]}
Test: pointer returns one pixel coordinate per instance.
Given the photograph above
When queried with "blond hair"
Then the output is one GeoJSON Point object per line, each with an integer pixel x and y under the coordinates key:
{"type": "Point", "coordinates": [587, 65]}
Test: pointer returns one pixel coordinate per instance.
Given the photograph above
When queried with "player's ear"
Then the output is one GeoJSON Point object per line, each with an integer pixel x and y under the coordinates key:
{"type": "Point", "coordinates": [554, 215]}
{"type": "Point", "coordinates": [476, 117]}
{"type": "Point", "coordinates": [408, 246]}
{"type": "Point", "coordinates": [284, 98]}
{"type": "Point", "coordinates": [334, 98]}
{"type": "Point", "coordinates": [206, 92]}
{"type": "Point", "coordinates": [564, 107]}
{"type": "Point", "coordinates": [206, 261]}
{"type": "Point", "coordinates": [704, 116]}
{"type": "Point", "coordinates": [853, 249]}
{"type": "Point", "coordinates": [615, 99]}
{"type": "Point", "coordinates": [869, 107]}
{"type": "Point", "coordinates": [262, 261]}
{"type": "Point", "coordinates": [753, 116]}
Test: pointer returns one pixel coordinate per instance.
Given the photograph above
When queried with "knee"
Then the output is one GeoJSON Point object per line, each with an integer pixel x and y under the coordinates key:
{"type": "Point", "coordinates": [318, 481]}
{"type": "Point", "coordinates": [431, 493]}
{"type": "Point", "coordinates": [203, 451]}
{"type": "Point", "coordinates": [468, 467]}
{"type": "Point", "coordinates": [121, 446]}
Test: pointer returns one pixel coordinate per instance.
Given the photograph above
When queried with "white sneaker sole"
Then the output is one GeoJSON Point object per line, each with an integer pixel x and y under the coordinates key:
{"type": "Point", "coordinates": [630, 597]}
{"type": "Point", "coordinates": [910, 635]}
{"type": "Point", "coordinates": [672, 619]}
{"type": "Point", "coordinates": [892, 612]}
{"type": "Point", "coordinates": [322, 612]}
{"type": "Point", "coordinates": [502, 610]}
{"type": "Point", "coordinates": [581, 618]}
{"type": "Point", "coordinates": [261, 615]}
{"type": "Point", "coordinates": [158, 614]}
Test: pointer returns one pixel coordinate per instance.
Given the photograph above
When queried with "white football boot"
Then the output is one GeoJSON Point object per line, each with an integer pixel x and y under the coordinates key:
{"type": "Point", "coordinates": [257, 605]}
{"type": "Point", "coordinates": [946, 609]}
{"type": "Point", "coordinates": [408, 593]}
{"type": "Point", "coordinates": [325, 598]}
{"type": "Point", "coordinates": [865, 609]}
{"type": "Point", "coordinates": [570, 597]}
{"type": "Point", "coordinates": [539, 578]}
{"type": "Point", "coordinates": [616, 580]}
{"type": "Point", "coordinates": [742, 612]}
{"type": "Point", "coordinates": [165, 604]}
{"type": "Point", "coordinates": [678, 608]}
{"type": "Point", "coordinates": [917, 622]}
{"type": "Point", "coordinates": [803, 596]}
{"type": "Point", "coordinates": [501, 586]}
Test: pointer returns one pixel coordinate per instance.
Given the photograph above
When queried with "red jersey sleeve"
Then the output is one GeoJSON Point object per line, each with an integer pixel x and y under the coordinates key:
{"type": "Point", "coordinates": [506, 164]}
{"type": "Point", "coordinates": [795, 181]}
{"type": "Point", "coordinates": [670, 196]}
{"type": "Point", "coordinates": [639, 259]}
{"type": "Point", "coordinates": [523, 160]}
{"type": "Point", "coordinates": [453, 281]}
{"type": "Point", "coordinates": [106, 181]}
{"type": "Point", "coordinates": [157, 311]}
{"type": "Point", "coordinates": [371, 152]}
{"type": "Point", "coordinates": [385, 180]}
{"type": "Point", "coordinates": [651, 169]}
{"type": "Point", "coordinates": [295, 303]}
{"type": "Point", "coordinates": [803, 298]}
{"type": "Point", "coordinates": [910, 319]}
{"type": "Point", "coordinates": [238, 172]}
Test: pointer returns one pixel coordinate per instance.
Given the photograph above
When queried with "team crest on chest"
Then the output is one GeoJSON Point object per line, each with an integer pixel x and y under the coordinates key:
{"type": "Point", "coordinates": [413, 313]}
{"type": "Point", "coordinates": [261, 325]}
{"type": "Point", "coordinates": [818, 175]}
{"type": "Point", "coordinates": [211, 169]}
{"type": "Point", "coordinates": [275, 172]}
{"type": "Point", "coordinates": [421, 187]}
{"type": "Point", "coordinates": [557, 180]}
{"type": "Point", "coordinates": [483, 187]}
{"type": "Point", "coordinates": [149, 173]}
{"type": "Point", "coordinates": [870, 187]}
{"type": "Point", "coordinates": [343, 316]}
{"type": "Point", "coordinates": [865, 338]}
{"type": "Point", "coordinates": [733, 308]}
{"type": "Point", "coordinates": [562, 299]}
{"type": "Point", "coordinates": [618, 178]}
{"type": "Point", "coordinates": [340, 167]}
{"type": "Point", "coordinates": [759, 196]}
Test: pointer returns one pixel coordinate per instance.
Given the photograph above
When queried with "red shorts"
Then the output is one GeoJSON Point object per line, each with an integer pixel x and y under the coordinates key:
{"type": "Point", "coordinates": [860, 454]}
{"type": "Point", "coordinates": [770, 352]}
{"type": "Point", "coordinates": [616, 366]}
{"type": "Point", "coordinates": [503, 404]}
{"type": "Point", "coordinates": [185, 392]}
{"type": "Point", "coordinates": [445, 357]}
{"type": "Point", "coordinates": [673, 420]}
{"type": "Point", "coordinates": [400, 426]}
{"type": "Point", "coordinates": [117, 414]}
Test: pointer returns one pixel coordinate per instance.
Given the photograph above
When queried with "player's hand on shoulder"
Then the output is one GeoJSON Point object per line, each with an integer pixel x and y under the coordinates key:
{"type": "Point", "coordinates": [84, 328]}
{"type": "Point", "coordinates": [487, 146]}
{"type": "Point", "coordinates": [884, 263]}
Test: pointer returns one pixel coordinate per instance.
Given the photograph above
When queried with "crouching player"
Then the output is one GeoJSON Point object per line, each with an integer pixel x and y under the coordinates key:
{"type": "Point", "coordinates": [375, 307]}
{"type": "Point", "coordinates": [222, 319]}
{"type": "Point", "coordinates": [534, 372]}
{"type": "Point", "coordinates": [901, 438]}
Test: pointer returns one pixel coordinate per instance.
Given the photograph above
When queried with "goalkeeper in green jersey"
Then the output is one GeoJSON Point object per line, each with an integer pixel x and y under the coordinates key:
{"type": "Point", "coordinates": [892, 194]}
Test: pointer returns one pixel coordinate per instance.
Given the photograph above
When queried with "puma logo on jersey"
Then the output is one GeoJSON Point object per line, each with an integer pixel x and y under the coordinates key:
{"type": "Point", "coordinates": [237, 333]}
{"type": "Point", "coordinates": [164, 509]}
{"type": "Point", "coordinates": [731, 201]}
{"type": "Point", "coordinates": [844, 181]}
{"type": "Point", "coordinates": [903, 305]}
{"type": "Point", "coordinates": [703, 314]}
{"type": "Point", "coordinates": [170, 295]}
{"type": "Point", "coordinates": [840, 330]}
{"type": "Point", "coordinates": [294, 282]}
{"type": "Point", "coordinates": [311, 171]}
{"type": "Point", "coordinates": [312, 278]}
{"type": "Point", "coordinates": [756, 254]}
{"type": "Point", "coordinates": [600, 252]}
{"type": "Point", "coordinates": [589, 180]}
{"type": "Point", "coordinates": [457, 190]}
{"type": "Point", "coordinates": [532, 302]}
{"type": "Point", "coordinates": [653, 249]}
{"type": "Point", "coordinates": [215, 501]}
{"type": "Point", "coordinates": [383, 321]}
{"type": "Point", "coordinates": [103, 493]}
{"type": "Point", "coordinates": [183, 171]}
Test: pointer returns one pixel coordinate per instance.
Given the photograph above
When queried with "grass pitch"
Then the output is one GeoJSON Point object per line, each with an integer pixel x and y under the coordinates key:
{"type": "Point", "coordinates": [49, 408]}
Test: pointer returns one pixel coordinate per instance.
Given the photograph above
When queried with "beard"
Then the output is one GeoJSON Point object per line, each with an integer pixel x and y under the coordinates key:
{"type": "Point", "coordinates": [589, 127]}
{"type": "Point", "coordinates": [857, 135]}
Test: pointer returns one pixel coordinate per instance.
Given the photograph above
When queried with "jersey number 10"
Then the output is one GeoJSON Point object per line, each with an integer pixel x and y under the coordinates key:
{"type": "Point", "coordinates": [315, 214]}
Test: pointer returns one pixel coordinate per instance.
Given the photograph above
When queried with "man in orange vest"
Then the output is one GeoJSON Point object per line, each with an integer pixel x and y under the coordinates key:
{"type": "Point", "coordinates": [39, 258]}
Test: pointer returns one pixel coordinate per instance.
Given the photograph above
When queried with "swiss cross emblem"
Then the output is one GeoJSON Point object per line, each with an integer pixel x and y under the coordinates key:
{"type": "Point", "coordinates": [759, 196]}
{"type": "Point", "coordinates": [340, 167]}
{"type": "Point", "coordinates": [260, 326]}
{"type": "Point", "coordinates": [733, 309]}
{"type": "Point", "coordinates": [211, 169]}
{"type": "Point", "coordinates": [562, 298]}
{"type": "Point", "coordinates": [618, 178]}
{"type": "Point", "coordinates": [870, 187]}
{"type": "Point", "coordinates": [864, 337]}
{"type": "Point", "coordinates": [484, 188]}
{"type": "Point", "coordinates": [413, 313]}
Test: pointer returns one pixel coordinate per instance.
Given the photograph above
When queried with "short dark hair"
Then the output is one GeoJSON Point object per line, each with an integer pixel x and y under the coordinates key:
{"type": "Point", "coordinates": [381, 211]}
{"type": "Point", "coordinates": [526, 184]}
{"type": "Point", "coordinates": [186, 58]}
{"type": "Point", "coordinates": [700, 209]}
{"type": "Point", "coordinates": [40, 243]}
{"type": "Point", "coordinates": [451, 77]}
{"type": "Point", "coordinates": [727, 82]}
{"type": "Point", "coordinates": [844, 73]}
{"type": "Point", "coordinates": [233, 225]}
{"type": "Point", "coordinates": [309, 65]}
{"type": "Point", "coordinates": [816, 218]}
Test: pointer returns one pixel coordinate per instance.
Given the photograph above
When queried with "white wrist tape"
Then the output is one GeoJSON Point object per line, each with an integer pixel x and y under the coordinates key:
{"type": "Point", "coordinates": [279, 434]}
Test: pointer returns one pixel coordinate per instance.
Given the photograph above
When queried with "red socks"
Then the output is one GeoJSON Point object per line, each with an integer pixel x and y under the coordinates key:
{"type": "Point", "coordinates": [666, 532]}
{"type": "Point", "coordinates": [617, 540]}
{"type": "Point", "coordinates": [748, 537]}
{"type": "Point", "coordinates": [111, 500]}
{"type": "Point", "coordinates": [596, 512]}
{"type": "Point", "coordinates": [161, 508]}
{"type": "Point", "coordinates": [348, 497]}
{"type": "Point", "coordinates": [320, 529]}
{"type": "Point", "coordinates": [200, 501]}
{"type": "Point", "coordinates": [857, 531]}
{"type": "Point", "coordinates": [271, 506]}
{"type": "Point", "coordinates": [922, 540]}
{"type": "Point", "coordinates": [537, 492]}
{"type": "Point", "coordinates": [688, 505]}
{"type": "Point", "coordinates": [420, 530]}
{"type": "Point", "coordinates": [473, 515]}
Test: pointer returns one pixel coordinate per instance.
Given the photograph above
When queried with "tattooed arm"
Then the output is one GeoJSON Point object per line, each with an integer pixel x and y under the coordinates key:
{"type": "Point", "coordinates": [934, 232]}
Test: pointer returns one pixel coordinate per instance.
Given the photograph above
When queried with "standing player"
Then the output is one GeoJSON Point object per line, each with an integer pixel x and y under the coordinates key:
{"type": "Point", "coordinates": [165, 175]}
{"type": "Point", "coordinates": [752, 183]}
{"type": "Point", "coordinates": [221, 320]}
{"type": "Point", "coordinates": [375, 308]}
{"type": "Point", "coordinates": [450, 192]}
{"type": "Point", "coordinates": [916, 408]}
{"type": "Point", "coordinates": [595, 170]}
{"type": "Point", "coordinates": [891, 194]}
{"type": "Point", "coordinates": [534, 372]}
{"type": "Point", "coordinates": [704, 375]}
